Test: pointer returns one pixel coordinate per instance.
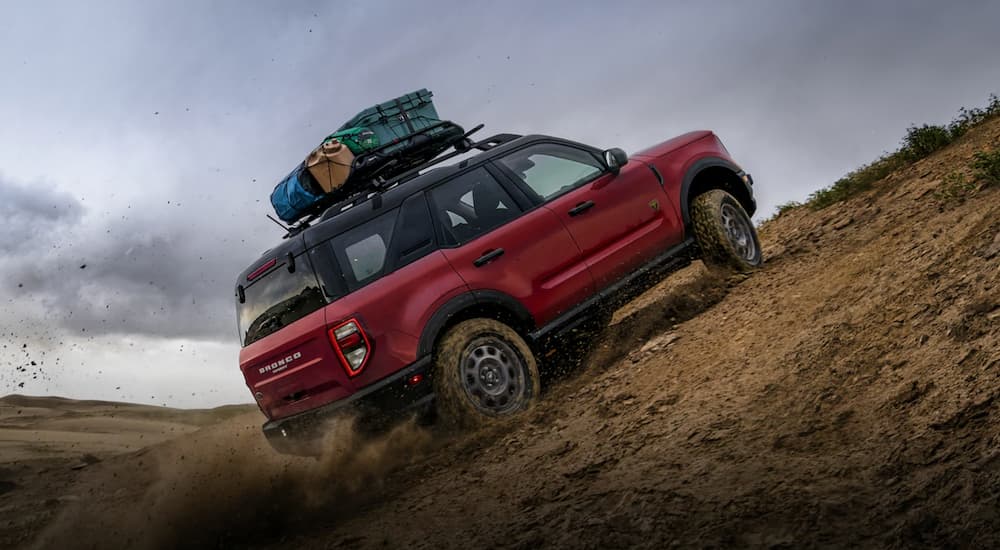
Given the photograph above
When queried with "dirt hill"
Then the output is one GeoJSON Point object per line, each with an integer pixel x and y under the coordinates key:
{"type": "Point", "coordinates": [46, 443]}
{"type": "Point", "coordinates": [845, 394]}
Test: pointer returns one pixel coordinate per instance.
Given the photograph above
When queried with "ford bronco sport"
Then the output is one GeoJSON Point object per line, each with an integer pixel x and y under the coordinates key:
{"type": "Point", "coordinates": [440, 288]}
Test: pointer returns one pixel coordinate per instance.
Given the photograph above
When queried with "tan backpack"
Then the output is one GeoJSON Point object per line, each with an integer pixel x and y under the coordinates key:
{"type": "Point", "coordinates": [330, 164]}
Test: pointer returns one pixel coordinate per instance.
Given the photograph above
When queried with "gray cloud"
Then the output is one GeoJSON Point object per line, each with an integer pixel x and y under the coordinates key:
{"type": "Point", "coordinates": [144, 284]}
{"type": "Point", "coordinates": [30, 211]}
{"type": "Point", "coordinates": [107, 277]}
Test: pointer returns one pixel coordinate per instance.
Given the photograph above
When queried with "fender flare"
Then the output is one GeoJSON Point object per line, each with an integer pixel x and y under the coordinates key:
{"type": "Point", "coordinates": [696, 168]}
{"type": "Point", "coordinates": [473, 298]}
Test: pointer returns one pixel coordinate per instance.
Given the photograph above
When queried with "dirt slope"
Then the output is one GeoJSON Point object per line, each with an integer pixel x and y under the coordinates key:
{"type": "Point", "coordinates": [46, 443]}
{"type": "Point", "coordinates": [845, 394]}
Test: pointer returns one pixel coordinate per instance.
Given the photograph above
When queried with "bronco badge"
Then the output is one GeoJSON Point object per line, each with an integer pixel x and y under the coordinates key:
{"type": "Point", "coordinates": [280, 364]}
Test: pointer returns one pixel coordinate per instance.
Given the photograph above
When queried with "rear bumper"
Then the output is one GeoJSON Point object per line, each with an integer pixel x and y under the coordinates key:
{"type": "Point", "coordinates": [375, 404]}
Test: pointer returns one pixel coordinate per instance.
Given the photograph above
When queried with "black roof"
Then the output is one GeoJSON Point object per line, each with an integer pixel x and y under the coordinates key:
{"type": "Point", "coordinates": [349, 213]}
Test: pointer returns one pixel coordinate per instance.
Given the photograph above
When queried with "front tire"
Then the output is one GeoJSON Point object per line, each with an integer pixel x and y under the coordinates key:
{"type": "Point", "coordinates": [483, 371]}
{"type": "Point", "coordinates": [724, 231]}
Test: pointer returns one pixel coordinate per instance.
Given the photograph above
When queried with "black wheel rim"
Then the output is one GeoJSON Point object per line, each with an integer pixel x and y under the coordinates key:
{"type": "Point", "coordinates": [494, 376]}
{"type": "Point", "coordinates": [740, 232]}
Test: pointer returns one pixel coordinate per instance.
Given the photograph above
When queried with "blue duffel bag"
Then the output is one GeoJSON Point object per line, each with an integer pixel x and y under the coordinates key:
{"type": "Point", "coordinates": [294, 196]}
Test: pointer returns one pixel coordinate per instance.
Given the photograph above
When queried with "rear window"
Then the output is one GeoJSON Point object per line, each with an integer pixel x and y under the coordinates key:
{"type": "Point", "coordinates": [277, 300]}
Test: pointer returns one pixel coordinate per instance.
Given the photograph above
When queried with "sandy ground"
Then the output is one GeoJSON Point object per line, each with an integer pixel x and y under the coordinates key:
{"type": "Point", "coordinates": [46, 443]}
{"type": "Point", "coordinates": [33, 428]}
{"type": "Point", "coordinates": [844, 395]}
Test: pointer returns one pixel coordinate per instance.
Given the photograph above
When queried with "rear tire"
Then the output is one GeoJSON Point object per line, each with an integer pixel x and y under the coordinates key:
{"type": "Point", "coordinates": [725, 234]}
{"type": "Point", "coordinates": [483, 371]}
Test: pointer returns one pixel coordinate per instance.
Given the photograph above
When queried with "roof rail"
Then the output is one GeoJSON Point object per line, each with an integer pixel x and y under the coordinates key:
{"type": "Point", "coordinates": [375, 188]}
{"type": "Point", "coordinates": [493, 141]}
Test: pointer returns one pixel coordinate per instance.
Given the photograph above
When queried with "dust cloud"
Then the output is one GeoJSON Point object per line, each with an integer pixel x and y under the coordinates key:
{"type": "Point", "coordinates": [225, 484]}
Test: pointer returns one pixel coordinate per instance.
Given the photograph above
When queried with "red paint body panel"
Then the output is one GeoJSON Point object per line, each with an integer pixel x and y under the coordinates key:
{"type": "Point", "coordinates": [541, 266]}
{"type": "Point", "coordinates": [316, 377]}
{"type": "Point", "coordinates": [674, 157]}
{"type": "Point", "coordinates": [672, 144]}
{"type": "Point", "coordinates": [389, 310]}
{"type": "Point", "coordinates": [394, 309]}
{"type": "Point", "coordinates": [630, 223]}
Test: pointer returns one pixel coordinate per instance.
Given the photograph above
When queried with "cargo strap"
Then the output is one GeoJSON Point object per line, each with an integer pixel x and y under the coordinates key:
{"type": "Point", "coordinates": [404, 116]}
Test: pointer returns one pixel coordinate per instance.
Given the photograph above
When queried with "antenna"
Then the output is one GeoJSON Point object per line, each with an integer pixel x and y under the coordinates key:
{"type": "Point", "coordinates": [281, 225]}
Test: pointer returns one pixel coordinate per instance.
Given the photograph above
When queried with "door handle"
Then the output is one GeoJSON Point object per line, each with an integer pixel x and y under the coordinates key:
{"type": "Point", "coordinates": [581, 208]}
{"type": "Point", "coordinates": [488, 257]}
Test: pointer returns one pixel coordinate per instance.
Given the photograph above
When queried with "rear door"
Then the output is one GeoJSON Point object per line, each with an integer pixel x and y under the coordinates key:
{"type": "Point", "coordinates": [619, 221]}
{"type": "Point", "coordinates": [495, 245]}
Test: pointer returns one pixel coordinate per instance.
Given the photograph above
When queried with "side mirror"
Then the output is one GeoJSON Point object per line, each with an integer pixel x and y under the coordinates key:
{"type": "Point", "coordinates": [614, 159]}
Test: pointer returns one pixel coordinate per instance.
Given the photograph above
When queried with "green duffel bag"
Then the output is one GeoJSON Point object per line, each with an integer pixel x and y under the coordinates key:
{"type": "Point", "coordinates": [402, 155]}
{"type": "Point", "coordinates": [358, 139]}
{"type": "Point", "coordinates": [398, 118]}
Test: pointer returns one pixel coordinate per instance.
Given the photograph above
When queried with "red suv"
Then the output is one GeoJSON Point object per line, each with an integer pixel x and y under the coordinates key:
{"type": "Point", "coordinates": [438, 290]}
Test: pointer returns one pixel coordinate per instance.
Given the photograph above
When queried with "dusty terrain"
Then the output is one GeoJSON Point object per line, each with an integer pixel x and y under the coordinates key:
{"type": "Point", "coordinates": [844, 395]}
{"type": "Point", "coordinates": [47, 442]}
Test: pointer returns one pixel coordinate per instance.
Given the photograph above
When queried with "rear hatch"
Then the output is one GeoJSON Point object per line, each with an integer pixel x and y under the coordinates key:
{"type": "Point", "coordinates": [288, 360]}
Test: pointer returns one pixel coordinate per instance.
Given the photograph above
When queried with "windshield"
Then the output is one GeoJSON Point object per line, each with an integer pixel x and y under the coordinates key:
{"type": "Point", "coordinates": [278, 299]}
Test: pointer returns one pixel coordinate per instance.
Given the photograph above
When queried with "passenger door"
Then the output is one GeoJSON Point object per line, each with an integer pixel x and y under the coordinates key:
{"type": "Point", "coordinates": [496, 246]}
{"type": "Point", "coordinates": [619, 221]}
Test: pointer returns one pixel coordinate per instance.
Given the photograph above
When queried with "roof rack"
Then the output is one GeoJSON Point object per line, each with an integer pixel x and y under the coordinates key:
{"type": "Point", "coordinates": [376, 188]}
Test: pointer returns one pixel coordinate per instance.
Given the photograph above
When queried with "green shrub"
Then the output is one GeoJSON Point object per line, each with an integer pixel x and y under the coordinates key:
{"type": "Point", "coordinates": [968, 118]}
{"type": "Point", "coordinates": [857, 181]}
{"type": "Point", "coordinates": [785, 207]}
{"type": "Point", "coordinates": [986, 167]}
{"type": "Point", "coordinates": [921, 141]}
{"type": "Point", "coordinates": [954, 188]}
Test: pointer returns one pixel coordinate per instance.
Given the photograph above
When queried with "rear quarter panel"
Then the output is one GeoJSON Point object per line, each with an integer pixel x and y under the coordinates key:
{"type": "Point", "coordinates": [394, 310]}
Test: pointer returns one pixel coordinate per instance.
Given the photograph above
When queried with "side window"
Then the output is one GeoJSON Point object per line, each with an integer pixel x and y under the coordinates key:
{"type": "Point", "coordinates": [362, 251]}
{"type": "Point", "coordinates": [550, 169]}
{"type": "Point", "coordinates": [367, 256]}
{"type": "Point", "coordinates": [470, 205]}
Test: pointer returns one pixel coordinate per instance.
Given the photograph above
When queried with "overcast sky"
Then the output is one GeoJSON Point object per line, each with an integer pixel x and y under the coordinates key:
{"type": "Point", "coordinates": [139, 141]}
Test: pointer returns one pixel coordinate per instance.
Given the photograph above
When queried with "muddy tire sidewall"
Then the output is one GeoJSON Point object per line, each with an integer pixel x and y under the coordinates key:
{"type": "Point", "coordinates": [710, 231]}
{"type": "Point", "coordinates": [455, 406]}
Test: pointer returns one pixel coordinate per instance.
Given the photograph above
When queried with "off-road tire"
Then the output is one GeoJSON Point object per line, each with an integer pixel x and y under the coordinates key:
{"type": "Point", "coordinates": [710, 213]}
{"type": "Point", "coordinates": [456, 406]}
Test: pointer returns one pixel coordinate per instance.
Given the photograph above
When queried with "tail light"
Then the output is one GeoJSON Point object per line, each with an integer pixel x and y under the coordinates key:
{"type": "Point", "coordinates": [351, 344]}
